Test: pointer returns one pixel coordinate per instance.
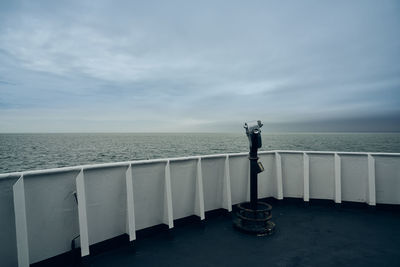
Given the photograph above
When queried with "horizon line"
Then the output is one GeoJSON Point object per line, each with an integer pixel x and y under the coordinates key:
{"type": "Point", "coordinates": [190, 132]}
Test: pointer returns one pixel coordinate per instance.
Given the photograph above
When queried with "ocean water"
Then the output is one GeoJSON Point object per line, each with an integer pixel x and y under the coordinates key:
{"type": "Point", "coordinates": [19, 152]}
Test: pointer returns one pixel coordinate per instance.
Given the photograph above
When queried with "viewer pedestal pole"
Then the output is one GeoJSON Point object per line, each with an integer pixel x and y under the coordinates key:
{"type": "Point", "coordinates": [254, 216]}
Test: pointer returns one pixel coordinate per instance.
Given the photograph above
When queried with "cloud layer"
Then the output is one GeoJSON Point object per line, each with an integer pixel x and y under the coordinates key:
{"type": "Point", "coordinates": [205, 66]}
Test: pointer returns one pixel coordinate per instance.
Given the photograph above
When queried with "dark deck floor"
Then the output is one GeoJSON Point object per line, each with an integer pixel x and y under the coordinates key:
{"type": "Point", "coordinates": [315, 235]}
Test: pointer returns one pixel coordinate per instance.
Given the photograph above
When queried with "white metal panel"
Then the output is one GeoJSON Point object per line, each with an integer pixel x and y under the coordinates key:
{"type": "Point", "coordinates": [239, 169]}
{"type": "Point", "coordinates": [354, 178]}
{"type": "Point", "coordinates": [213, 181]}
{"type": "Point", "coordinates": [52, 213]}
{"type": "Point", "coordinates": [105, 203]}
{"type": "Point", "coordinates": [292, 175]}
{"type": "Point", "coordinates": [8, 241]}
{"type": "Point", "coordinates": [148, 194]}
{"type": "Point", "coordinates": [266, 179]}
{"type": "Point", "coordinates": [322, 176]}
{"type": "Point", "coordinates": [183, 186]}
{"type": "Point", "coordinates": [387, 170]}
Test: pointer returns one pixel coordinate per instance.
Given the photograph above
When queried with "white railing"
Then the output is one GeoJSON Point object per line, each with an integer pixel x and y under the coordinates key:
{"type": "Point", "coordinates": [40, 214]}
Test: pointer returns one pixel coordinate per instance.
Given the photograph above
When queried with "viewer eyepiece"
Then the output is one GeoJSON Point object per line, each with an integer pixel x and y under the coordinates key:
{"type": "Point", "coordinates": [253, 132]}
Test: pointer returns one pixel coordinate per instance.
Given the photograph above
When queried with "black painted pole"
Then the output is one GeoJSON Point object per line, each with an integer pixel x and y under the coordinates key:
{"type": "Point", "coordinates": [253, 157]}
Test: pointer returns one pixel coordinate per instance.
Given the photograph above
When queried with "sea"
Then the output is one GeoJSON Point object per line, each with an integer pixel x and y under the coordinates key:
{"type": "Point", "coordinates": [20, 152]}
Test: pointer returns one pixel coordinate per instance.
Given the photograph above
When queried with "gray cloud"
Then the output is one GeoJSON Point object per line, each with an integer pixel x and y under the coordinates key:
{"type": "Point", "coordinates": [179, 66]}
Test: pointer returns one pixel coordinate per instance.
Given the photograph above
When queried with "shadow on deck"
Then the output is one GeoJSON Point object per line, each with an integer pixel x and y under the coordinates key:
{"type": "Point", "coordinates": [315, 234]}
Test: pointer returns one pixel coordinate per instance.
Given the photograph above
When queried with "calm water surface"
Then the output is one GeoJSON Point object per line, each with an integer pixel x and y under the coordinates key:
{"type": "Point", "coordinates": [20, 152]}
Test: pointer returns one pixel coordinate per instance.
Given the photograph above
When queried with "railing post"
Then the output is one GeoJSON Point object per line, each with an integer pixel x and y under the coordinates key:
{"type": "Point", "coordinates": [199, 207]}
{"type": "Point", "coordinates": [306, 169]}
{"type": "Point", "coordinates": [371, 181]}
{"type": "Point", "coordinates": [130, 204]}
{"type": "Point", "coordinates": [227, 197]}
{"type": "Point", "coordinates": [168, 212]}
{"type": "Point", "coordinates": [338, 179]}
{"type": "Point", "coordinates": [20, 223]}
{"type": "Point", "coordinates": [83, 224]}
{"type": "Point", "coordinates": [278, 165]}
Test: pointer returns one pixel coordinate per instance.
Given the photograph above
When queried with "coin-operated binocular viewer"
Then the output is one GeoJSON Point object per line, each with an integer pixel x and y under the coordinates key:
{"type": "Point", "coordinates": [254, 216]}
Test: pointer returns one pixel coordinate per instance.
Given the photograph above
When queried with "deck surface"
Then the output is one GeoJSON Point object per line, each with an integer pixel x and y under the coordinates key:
{"type": "Point", "coordinates": [315, 235]}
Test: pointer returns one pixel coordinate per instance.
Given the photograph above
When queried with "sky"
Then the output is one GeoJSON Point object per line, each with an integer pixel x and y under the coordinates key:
{"type": "Point", "coordinates": [199, 66]}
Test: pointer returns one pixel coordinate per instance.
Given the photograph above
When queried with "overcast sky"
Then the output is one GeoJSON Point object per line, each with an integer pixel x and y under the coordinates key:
{"type": "Point", "coordinates": [117, 66]}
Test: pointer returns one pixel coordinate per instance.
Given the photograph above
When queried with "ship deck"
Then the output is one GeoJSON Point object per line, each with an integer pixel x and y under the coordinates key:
{"type": "Point", "coordinates": [314, 234]}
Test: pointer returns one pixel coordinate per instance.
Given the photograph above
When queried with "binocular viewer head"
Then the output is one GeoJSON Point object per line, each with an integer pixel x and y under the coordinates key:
{"type": "Point", "coordinates": [253, 131]}
{"type": "Point", "coordinates": [253, 127]}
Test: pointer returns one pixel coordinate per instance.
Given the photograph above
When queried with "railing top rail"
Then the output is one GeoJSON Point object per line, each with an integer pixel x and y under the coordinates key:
{"type": "Point", "coordinates": [149, 161]}
{"type": "Point", "coordinates": [336, 152]}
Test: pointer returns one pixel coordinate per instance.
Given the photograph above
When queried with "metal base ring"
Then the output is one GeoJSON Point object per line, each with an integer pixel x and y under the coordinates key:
{"type": "Point", "coordinates": [253, 220]}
